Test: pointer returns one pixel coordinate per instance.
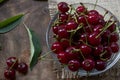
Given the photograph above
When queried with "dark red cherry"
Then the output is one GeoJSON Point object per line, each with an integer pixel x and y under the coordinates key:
{"type": "Point", "coordinates": [81, 9]}
{"type": "Point", "coordinates": [86, 50]}
{"type": "Point", "coordinates": [84, 37]}
{"type": "Point", "coordinates": [88, 64]}
{"type": "Point", "coordinates": [81, 19]}
{"type": "Point", "coordinates": [98, 50]}
{"type": "Point", "coordinates": [100, 65]}
{"type": "Point", "coordinates": [72, 53]}
{"type": "Point", "coordinates": [88, 29]}
{"type": "Point", "coordinates": [10, 74]}
{"type": "Point", "coordinates": [62, 56]}
{"type": "Point", "coordinates": [71, 25]}
{"type": "Point", "coordinates": [101, 20]}
{"type": "Point", "coordinates": [106, 35]}
{"type": "Point", "coordinates": [98, 28]}
{"type": "Point", "coordinates": [114, 37]}
{"type": "Point", "coordinates": [22, 68]}
{"type": "Point", "coordinates": [63, 7]}
{"type": "Point", "coordinates": [12, 62]}
{"type": "Point", "coordinates": [63, 17]}
{"type": "Point", "coordinates": [56, 47]}
{"type": "Point", "coordinates": [93, 12]}
{"type": "Point", "coordinates": [93, 19]}
{"type": "Point", "coordinates": [74, 65]}
{"type": "Point", "coordinates": [62, 33]}
{"type": "Point", "coordinates": [55, 29]}
{"type": "Point", "coordinates": [65, 43]}
{"type": "Point", "coordinates": [93, 39]}
{"type": "Point", "coordinates": [112, 27]}
{"type": "Point", "coordinates": [114, 47]}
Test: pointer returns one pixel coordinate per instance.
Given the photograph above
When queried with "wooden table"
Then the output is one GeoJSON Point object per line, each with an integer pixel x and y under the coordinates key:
{"type": "Point", "coordinates": [16, 43]}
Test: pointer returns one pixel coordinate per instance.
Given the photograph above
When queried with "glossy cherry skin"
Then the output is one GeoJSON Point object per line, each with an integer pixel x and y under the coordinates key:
{"type": "Point", "coordinates": [100, 65]}
{"type": "Point", "coordinates": [81, 9]}
{"type": "Point", "coordinates": [86, 50]}
{"type": "Point", "coordinates": [114, 47]}
{"type": "Point", "coordinates": [71, 53]}
{"type": "Point", "coordinates": [88, 64]}
{"type": "Point", "coordinates": [74, 65]}
{"type": "Point", "coordinates": [12, 62]}
{"type": "Point", "coordinates": [105, 36]}
{"type": "Point", "coordinates": [63, 17]}
{"type": "Point", "coordinates": [10, 74]}
{"type": "Point", "coordinates": [93, 40]}
{"type": "Point", "coordinates": [63, 7]}
{"type": "Point", "coordinates": [88, 29]}
{"type": "Point", "coordinates": [56, 47]}
{"type": "Point", "coordinates": [22, 68]}
{"type": "Point", "coordinates": [98, 50]}
{"type": "Point", "coordinates": [93, 12]}
{"type": "Point", "coordinates": [62, 56]}
{"type": "Point", "coordinates": [55, 29]}
{"type": "Point", "coordinates": [93, 19]}
{"type": "Point", "coordinates": [81, 19]}
{"type": "Point", "coordinates": [112, 27]}
{"type": "Point", "coordinates": [71, 25]}
{"type": "Point", "coordinates": [63, 33]}
{"type": "Point", "coordinates": [98, 28]}
{"type": "Point", "coordinates": [114, 37]}
{"type": "Point", "coordinates": [84, 37]}
{"type": "Point", "coordinates": [65, 43]}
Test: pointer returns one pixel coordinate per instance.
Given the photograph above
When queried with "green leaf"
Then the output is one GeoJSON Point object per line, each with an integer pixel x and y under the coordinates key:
{"type": "Point", "coordinates": [35, 47]}
{"type": "Point", "coordinates": [10, 23]}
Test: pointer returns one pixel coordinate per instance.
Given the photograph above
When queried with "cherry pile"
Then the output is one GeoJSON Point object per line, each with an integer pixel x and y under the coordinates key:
{"type": "Point", "coordinates": [84, 39]}
{"type": "Point", "coordinates": [12, 66]}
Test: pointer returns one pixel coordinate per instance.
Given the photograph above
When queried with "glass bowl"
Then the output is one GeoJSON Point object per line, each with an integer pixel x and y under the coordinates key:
{"type": "Point", "coordinates": [115, 57]}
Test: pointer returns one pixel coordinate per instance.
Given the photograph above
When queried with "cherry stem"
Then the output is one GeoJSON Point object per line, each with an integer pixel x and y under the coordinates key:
{"type": "Point", "coordinates": [82, 54]}
{"type": "Point", "coordinates": [105, 13]}
{"type": "Point", "coordinates": [43, 56]}
{"type": "Point", "coordinates": [101, 55]}
{"type": "Point", "coordinates": [95, 4]}
{"type": "Point", "coordinates": [13, 64]}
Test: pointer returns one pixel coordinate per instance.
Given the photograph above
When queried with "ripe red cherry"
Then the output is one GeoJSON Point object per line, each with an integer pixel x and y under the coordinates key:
{"type": "Point", "coordinates": [62, 33]}
{"type": "Point", "coordinates": [10, 74]}
{"type": "Point", "coordinates": [112, 27]}
{"type": "Point", "coordinates": [93, 40]}
{"type": "Point", "coordinates": [88, 29]}
{"type": "Point", "coordinates": [106, 35]}
{"type": "Point", "coordinates": [56, 47]}
{"type": "Point", "coordinates": [98, 50]}
{"type": "Point", "coordinates": [65, 43]}
{"type": "Point", "coordinates": [93, 12]}
{"type": "Point", "coordinates": [86, 50]}
{"type": "Point", "coordinates": [93, 19]}
{"type": "Point", "coordinates": [81, 19]}
{"type": "Point", "coordinates": [114, 47]}
{"type": "Point", "coordinates": [71, 53]}
{"type": "Point", "coordinates": [81, 9]}
{"type": "Point", "coordinates": [88, 64]}
{"type": "Point", "coordinates": [62, 56]}
{"type": "Point", "coordinates": [55, 29]}
{"type": "Point", "coordinates": [12, 62]}
{"type": "Point", "coordinates": [71, 25]}
{"type": "Point", "coordinates": [63, 17]}
{"type": "Point", "coordinates": [84, 37]}
{"type": "Point", "coordinates": [74, 65]}
{"type": "Point", "coordinates": [100, 65]}
{"type": "Point", "coordinates": [63, 7]}
{"type": "Point", "coordinates": [22, 68]}
{"type": "Point", "coordinates": [98, 28]}
{"type": "Point", "coordinates": [101, 20]}
{"type": "Point", "coordinates": [114, 37]}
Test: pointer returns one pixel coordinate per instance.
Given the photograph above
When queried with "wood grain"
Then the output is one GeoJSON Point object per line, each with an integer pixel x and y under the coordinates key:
{"type": "Point", "coordinates": [16, 43]}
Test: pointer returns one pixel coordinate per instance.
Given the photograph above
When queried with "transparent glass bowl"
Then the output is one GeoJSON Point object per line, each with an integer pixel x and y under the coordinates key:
{"type": "Point", "coordinates": [115, 57]}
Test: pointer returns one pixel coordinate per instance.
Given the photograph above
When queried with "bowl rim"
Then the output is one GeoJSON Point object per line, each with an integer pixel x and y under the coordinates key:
{"type": "Point", "coordinates": [81, 73]}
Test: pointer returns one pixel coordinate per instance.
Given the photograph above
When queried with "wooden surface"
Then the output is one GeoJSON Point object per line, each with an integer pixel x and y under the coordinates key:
{"type": "Point", "coordinates": [16, 43]}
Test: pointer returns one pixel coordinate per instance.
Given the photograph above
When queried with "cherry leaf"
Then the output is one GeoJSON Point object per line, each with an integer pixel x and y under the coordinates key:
{"type": "Point", "coordinates": [35, 50]}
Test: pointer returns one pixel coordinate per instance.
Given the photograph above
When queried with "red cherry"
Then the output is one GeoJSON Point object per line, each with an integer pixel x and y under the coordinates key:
{"type": "Point", "coordinates": [22, 68]}
{"type": "Point", "coordinates": [93, 12]}
{"type": "Point", "coordinates": [100, 65]}
{"type": "Point", "coordinates": [71, 25]}
{"type": "Point", "coordinates": [63, 17]}
{"type": "Point", "coordinates": [98, 50]}
{"type": "Point", "coordinates": [81, 19]}
{"type": "Point", "coordinates": [81, 9]}
{"type": "Point", "coordinates": [74, 65]}
{"type": "Point", "coordinates": [114, 37]}
{"type": "Point", "coordinates": [84, 37]}
{"type": "Point", "coordinates": [63, 7]}
{"type": "Point", "coordinates": [106, 35]}
{"type": "Point", "coordinates": [71, 53]}
{"type": "Point", "coordinates": [93, 19]}
{"type": "Point", "coordinates": [114, 47]}
{"type": "Point", "coordinates": [86, 50]}
{"type": "Point", "coordinates": [56, 47]}
{"type": "Point", "coordinates": [62, 33]}
{"type": "Point", "coordinates": [10, 74]}
{"type": "Point", "coordinates": [98, 28]}
{"type": "Point", "coordinates": [88, 29]}
{"type": "Point", "coordinates": [55, 29]}
{"type": "Point", "coordinates": [88, 64]}
{"type": "Point", "coordinates": [62, 56]}
{"type": "Point", "coordinates": [12, 62]}
{"type": "Point", "coordinates": [65, 43]}
{"type": "Point", "coordinates": [101, 20]}
{"type": "Point", "coordinates": [112, 27]}
{"type": "Point", "coordinates": [93, 40]}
